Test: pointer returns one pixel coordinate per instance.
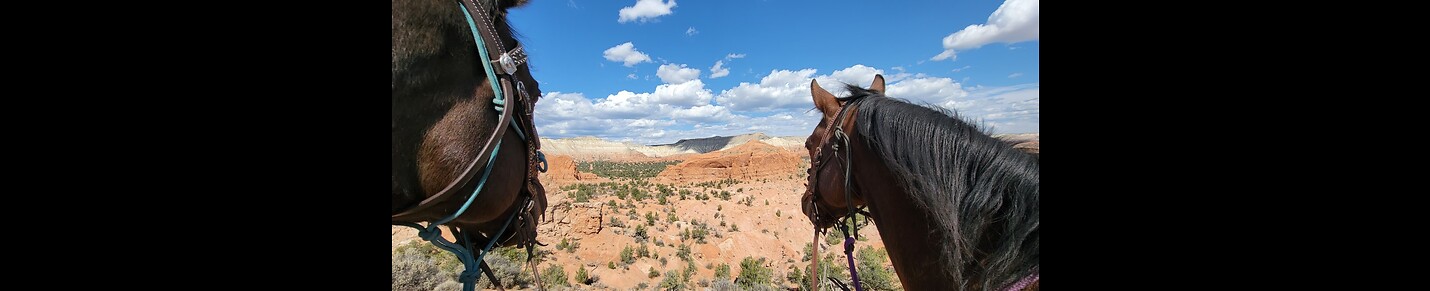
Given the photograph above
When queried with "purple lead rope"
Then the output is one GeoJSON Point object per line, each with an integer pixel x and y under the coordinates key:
{"type": "Point", "coordinates": [1024, 282]}
{"type": "Point", "coordinates": [849, 253]}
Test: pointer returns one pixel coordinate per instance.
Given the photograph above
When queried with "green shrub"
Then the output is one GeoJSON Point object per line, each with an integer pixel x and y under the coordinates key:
{"type": "Point", "coordinates": [628, 255]}
{"type": "Point", "coordinates": [554, 276]}
{"type": "Point", "coordinates": [808, 251]}
{"type": "Point", "coordinates": [683, 252]}
{"type": "Point", "coordinates": [569, 246]}
{"type": "Point", "coordinates": [722, 271]}
{"type": "Point", "coordinates": [414, 270]}
{"type": "Point", "coordinates": [794, 275]}
{"type": "Point", "coordinates": [724, 285]}
{"type": "Point", "coordinates": [828, 268]}
{"type": "Point", "coordinates": [872, 273]}
{"type": "Point", "coordinates": [672, 281]}
{"type": "Point", "coordinates": [640, 234]}
{"type": "Point", "coordinates": [624, 170]}
{"type": "Point", "coordinates": [754, 273]}
{"type": "Point", "coordinates": [637, 194]}
{"type": "Point", "coordinates": [507, 265]}
{"type": "Point", "coordinates": [449, 286]}
{"type": "Point", "coordinates": [689, 271]}
{"type": "Point", "coordinates": [580, 195]}
{"type": "Point", "coordinates": [643, 251]}
{"type": "Point", "coordinates": [582, 277]}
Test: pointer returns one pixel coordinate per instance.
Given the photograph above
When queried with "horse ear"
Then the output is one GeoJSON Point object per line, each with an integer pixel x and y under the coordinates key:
{"type": "Point", "coordinates": [823, 99]}
{"type": "Point", "coordinates": [878, 83]}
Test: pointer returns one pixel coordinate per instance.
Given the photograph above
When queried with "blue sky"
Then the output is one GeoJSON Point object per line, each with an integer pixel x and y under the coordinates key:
{"type": "Point", "coordinates": [646, 71]}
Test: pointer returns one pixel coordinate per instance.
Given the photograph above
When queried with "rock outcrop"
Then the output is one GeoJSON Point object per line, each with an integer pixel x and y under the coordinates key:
{"type": "Point", "coordinates": [561, 170]}
{"type": "Point", "coordinates": [567, 219]}
{"type": "Point", "coordinates": [752, 160]}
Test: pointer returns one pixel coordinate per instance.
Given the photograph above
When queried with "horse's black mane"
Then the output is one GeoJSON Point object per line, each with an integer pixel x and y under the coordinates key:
{"type": "Point", "coordinates": [979, 187]}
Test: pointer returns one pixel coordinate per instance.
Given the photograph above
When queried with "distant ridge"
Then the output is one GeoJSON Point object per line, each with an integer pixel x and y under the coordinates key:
{"type": "Point", "coordinates": [593, 148]}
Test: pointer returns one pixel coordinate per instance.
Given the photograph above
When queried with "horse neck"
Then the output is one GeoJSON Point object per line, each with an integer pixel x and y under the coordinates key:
{"type": "Point", "coordinates": [909, 235]}
{"type": "Point", "coordinates": [915, 240]}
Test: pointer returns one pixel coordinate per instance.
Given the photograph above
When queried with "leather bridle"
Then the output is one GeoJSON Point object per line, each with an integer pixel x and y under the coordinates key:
{"type": "Point", "coordinates": [839, 137]}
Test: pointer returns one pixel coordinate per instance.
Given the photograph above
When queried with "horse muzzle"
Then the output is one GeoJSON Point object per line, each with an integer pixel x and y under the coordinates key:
{"type": "Point", "coordinates": [820, 219]}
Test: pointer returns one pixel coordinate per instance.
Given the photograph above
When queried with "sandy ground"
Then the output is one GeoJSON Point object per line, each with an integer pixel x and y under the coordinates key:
{"type": "Point", "coordinates": [772, 227]}
{"type": "Point", "coordinates": [777, 232]}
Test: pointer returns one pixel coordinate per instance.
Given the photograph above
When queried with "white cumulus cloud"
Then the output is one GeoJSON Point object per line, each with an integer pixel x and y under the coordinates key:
{"type": "Point", "coordinates": [1014, 21]}
{"type": "Point", "coordinates": [626, 54]}
{"type": "Point", "coordinates": [704, 113]}
{"type": "Point", "coordinates": [719, 70]}
{"type": "Point", "coordinates": [1011, 109]}
{"type": "Point", "coordinates": [645, 10]}
{"type": "Point", "coordinates": [857, 75]}
{"type": "Point", "coordinates": [778, 104]}
{"type": "Point", "coordinates": [677, 73]}
{"type": "Point", "coordinates": [558, 106]}
{"type": "Point", "coordinates": [684, 94]}
{"type": "Point", "coordinates": [667, 97]}
{"type": "Point", "coordinates": [786, 89]}
{"type": "Point", "coordinates": [625, 104]}
{"type": "Point", "coordinates": [943, 92]}
{"type": "Point", "coordinates": [779, 89]}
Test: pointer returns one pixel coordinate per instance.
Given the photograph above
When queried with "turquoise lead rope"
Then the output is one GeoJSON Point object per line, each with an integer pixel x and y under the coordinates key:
{"type": "Point", "coordinates": [499, 101]}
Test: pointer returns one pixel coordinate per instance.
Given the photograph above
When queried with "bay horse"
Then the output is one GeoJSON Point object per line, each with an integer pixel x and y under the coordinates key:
{"type": "Point", "coordinates": [460, 87]}
{"type": "Point", "coordinates": [957, 208]}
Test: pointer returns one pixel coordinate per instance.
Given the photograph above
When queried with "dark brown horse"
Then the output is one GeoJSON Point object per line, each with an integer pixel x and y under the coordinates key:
{"type": "Point", "coordinates": [957, 209]}
{"type": "Point", "coordinates": [445, 128]}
